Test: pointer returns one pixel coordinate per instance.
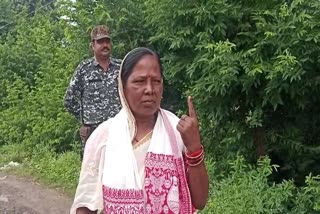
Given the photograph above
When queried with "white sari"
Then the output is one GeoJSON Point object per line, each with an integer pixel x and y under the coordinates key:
{"type": "Point", "coordinates": [117, 178]}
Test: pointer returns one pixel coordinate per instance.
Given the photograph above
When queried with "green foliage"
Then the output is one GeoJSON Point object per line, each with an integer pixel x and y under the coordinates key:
{"type": "Point", "coordinates": [60, 170]}
{"type": "Point", "coordinates": [64, 168]}
{"type": "Point", "coordinates": [247, 189]}
{"type": "Point", "coordinates": [5, 17]}
{"type": "Point", "coordinates": [253, 74]}
{"type": "Point", "coordinates": [33, 112]}
{"type": "Point", "coordinates": [312, 192]}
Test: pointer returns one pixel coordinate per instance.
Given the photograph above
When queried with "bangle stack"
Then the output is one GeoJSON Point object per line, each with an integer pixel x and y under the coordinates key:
{"type": "Point", "coordinates": [195, 158]}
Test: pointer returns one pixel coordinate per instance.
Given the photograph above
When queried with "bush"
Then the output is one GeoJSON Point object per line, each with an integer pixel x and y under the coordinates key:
{"type": "Point", "coordinates": [56, 169]}
{"type": "Point", "coordinates": [247, 189]}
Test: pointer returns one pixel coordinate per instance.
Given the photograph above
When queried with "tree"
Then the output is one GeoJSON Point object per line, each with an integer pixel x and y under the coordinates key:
{"type": "Point", "coordinates": [253, 73]}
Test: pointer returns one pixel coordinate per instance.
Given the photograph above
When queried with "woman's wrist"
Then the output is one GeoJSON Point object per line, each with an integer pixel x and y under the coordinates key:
{"type": "Point", "coordinates": [194, 148]}
{"type": "Point", "coordinates": [194, 157]}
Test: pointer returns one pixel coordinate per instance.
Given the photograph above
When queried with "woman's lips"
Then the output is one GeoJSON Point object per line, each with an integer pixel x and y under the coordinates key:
{"type": "Point", "coordinates": [148, 102]}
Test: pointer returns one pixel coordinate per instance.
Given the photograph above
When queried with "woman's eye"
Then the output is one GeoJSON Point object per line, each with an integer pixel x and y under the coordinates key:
{"type": "Point", "coordinates": [138, 81]}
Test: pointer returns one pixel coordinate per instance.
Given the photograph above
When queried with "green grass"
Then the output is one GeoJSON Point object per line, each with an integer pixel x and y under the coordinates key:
{"type": "Point", "coordinates": [59, 171]}
{"type": "Point", "coordinates": [243, 187]}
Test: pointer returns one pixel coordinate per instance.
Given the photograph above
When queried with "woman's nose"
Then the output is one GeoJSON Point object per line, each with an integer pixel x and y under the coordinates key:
{"type": "Point", "coordinates": [149, 88]}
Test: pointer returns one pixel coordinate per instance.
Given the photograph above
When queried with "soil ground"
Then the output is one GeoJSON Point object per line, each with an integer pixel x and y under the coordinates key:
{"type": "Point", "coordinates": [22, 195]}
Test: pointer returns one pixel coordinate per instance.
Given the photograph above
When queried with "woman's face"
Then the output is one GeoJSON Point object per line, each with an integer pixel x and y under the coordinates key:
{"type": "Point", "coordinates": [143, 89]}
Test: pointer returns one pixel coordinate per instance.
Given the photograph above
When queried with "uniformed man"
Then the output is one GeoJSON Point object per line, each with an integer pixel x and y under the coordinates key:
{"type": "Point", "coordinates": [92, 96]}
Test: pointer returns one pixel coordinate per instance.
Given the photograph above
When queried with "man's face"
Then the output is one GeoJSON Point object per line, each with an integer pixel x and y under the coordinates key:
{"type": "Point", "coordinates": [102, 47]}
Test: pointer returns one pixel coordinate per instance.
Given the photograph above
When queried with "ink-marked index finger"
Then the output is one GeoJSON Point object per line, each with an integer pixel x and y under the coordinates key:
{"type": "Point", "coordinates": [192, 111]}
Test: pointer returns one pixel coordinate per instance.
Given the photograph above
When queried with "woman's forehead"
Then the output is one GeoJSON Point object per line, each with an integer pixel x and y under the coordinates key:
{"type": "Point", "coordinates": [148, 60]}
{"type": "Point", "coordinates": [146, 73]}
{"type": "Point", "coordinates": [148, 63]}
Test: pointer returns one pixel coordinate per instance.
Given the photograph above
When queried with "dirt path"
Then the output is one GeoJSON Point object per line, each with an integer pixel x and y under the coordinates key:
{"type": "Point", "coordinates": [24, 196]}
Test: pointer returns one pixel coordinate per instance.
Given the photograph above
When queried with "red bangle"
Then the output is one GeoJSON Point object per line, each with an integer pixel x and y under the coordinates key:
{"type": "Point", "coordinates": [195, 163]}
{"type": "Point", "coordinates": [196, 154]}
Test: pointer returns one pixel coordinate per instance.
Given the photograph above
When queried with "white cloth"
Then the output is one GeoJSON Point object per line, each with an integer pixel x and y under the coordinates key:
{"type": "Point", "coordinates": [119, 153]}
{"type": "Point", "coordinates": [89, 190]}
{"type": "Point", "coordinates": [109, 159]}
{"type": "Point", "coordinates": [140, 153]}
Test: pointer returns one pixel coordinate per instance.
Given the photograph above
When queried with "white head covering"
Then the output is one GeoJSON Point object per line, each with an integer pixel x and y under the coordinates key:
{"type": "Point", "coordinates": [122, 133]}
{"type": "Point", "coordinates": [124, 103]}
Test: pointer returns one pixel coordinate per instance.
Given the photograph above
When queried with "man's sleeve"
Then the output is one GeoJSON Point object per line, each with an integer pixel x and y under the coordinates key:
{"type": "Point", "coordinates": [72, 98]}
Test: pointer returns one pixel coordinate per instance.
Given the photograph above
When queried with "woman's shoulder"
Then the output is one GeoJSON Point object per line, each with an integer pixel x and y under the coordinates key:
{"type": "Point", "coordinates": [100, 134]}
{"type": "Point", "coordinates": [105, 125]}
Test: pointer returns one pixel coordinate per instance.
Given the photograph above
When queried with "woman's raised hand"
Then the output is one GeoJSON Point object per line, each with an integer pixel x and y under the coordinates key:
{"type": "Point", "coordinates": [188, 127]}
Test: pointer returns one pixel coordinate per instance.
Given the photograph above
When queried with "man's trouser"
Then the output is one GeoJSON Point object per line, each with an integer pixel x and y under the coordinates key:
{"type": "Point", "coordinates": [85, 132]}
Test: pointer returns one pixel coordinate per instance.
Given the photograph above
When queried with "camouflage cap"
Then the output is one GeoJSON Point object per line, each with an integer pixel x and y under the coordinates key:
{"type": "Point", "coordinates": [100, 32]}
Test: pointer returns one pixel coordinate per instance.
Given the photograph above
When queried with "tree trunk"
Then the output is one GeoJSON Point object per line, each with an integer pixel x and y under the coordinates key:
{"type": "Point", "coordinates": [259, 138]}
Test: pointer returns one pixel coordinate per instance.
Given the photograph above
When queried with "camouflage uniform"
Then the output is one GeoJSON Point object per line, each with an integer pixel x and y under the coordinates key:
{"type": "Point", "coordinates": [92, 96]}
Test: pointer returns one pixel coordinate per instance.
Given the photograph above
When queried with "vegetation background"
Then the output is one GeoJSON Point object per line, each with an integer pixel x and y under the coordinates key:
{"type": "Point", "coordinates": [252, 66]}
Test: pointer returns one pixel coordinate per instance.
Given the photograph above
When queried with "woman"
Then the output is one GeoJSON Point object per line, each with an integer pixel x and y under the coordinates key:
{"type": "Point", "coordinates": [145, 159]}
